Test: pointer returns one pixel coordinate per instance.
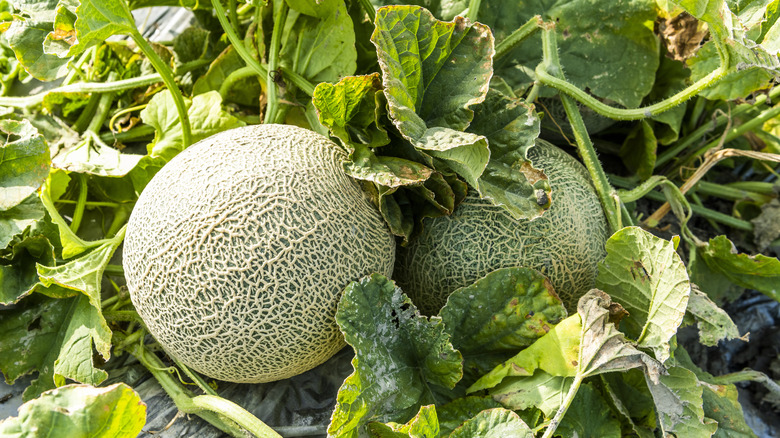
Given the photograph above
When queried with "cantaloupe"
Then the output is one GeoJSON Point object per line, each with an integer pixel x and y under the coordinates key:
{"type": "Point", "coordinates": [237, 251]}
{"type": "Point", "coordinates": [565, 243]}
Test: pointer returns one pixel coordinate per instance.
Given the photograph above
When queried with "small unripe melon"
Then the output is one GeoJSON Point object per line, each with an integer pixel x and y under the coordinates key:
{"type": "Point", "coordinates": [237, 252]}
{"type": "Point", "coordinates": [565, 243]}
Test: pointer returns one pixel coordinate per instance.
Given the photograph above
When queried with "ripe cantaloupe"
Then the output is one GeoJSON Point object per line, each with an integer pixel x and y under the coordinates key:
{"type": "Point", "coordinates": [565, 243]}
{"type": "Point", "coordinates": [237, 251]}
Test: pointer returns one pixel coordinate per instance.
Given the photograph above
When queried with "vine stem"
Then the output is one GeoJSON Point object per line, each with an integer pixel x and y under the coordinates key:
{"type": "Point", "coordinates": [369, 8]}
{"type": "Point", "coordinates": [209, 407]}
{"type": "Point", "coordinates": [517, 37]}
{"type": "Point", "coordinates": [572, 90]}
{"type": "Point", "coordinates": [96, 87]}
{"type": "Point", "coordinates": [272, 93]}
{"type": "Point", "coordinates": [262, 71]}
{"type": "Point", "coordinates": [167, 77]}
{"type": "Point", "coordinates": [575, 386]}
{"type": "Point", "coordinates": [711, 161]}
{"type": "Point", "coordinates": [78, 213]}
{"type": "Point", "coordinates": [474, 10]}
{"type": "Point", "coordinates": [607, 194]}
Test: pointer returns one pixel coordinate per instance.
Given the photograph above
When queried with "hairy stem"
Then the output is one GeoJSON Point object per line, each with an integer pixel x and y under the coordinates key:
{"type": "Point", "coordinates": [474, 10]}
{"type": "Point", "coordinates": [167, 77]}
{"type": "Point", "coordinates": [233, 78]}
{"type": "Point", "coordinates": [556, 421]}
{"type": "Point", "coordinates": [81, 123]}
{"type": "Point", "coordinates": [104, 106]}
{"type": "Point", "coordinates": [138, 133]}
{"type": "Point", "coordinates": [606, 193]}
{"type": "Point", "coordinates": [572, 90]}
{"type": "Point", "coordinates": [369, 8]}
{"type": "Point", "coordinates": [272, 93]}
{"type": "Point", "coordinates": [223, 414]}
{"type": "Point", "coordinates": [517, 37]}
{"type": "Point", "coordinates": [78, 212]}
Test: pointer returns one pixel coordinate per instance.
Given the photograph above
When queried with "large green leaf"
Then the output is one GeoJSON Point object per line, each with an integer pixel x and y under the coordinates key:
{"type": "Point", "coordinates": [589, 415]}
{"type": "Point", "coordinates": [678, 401]}
{"type": "Point", "coordinates": [756, 272]}
{"type": "Point", "coordinates": [509, 180]}
{"type": "Point", "coordinates": [24, 162]}
{"type": "Point", "coordinates": [629, 394]}
{"type": "Point", "coordinates": [94, 157]}
{"type": "Point", "coordinates": [498, 315]}
{"type": "Point", "coordinates": [432, 73]}
{"type": "Point", "coordinates": [18, 276]}
{"type": "Point", "coordinates": [605, 46]}
{"type": "Point", "coordinates": [402, 360]}
{"type": "Point", "coordinates": [245, 91]}
{"type": "Point", "coordinates": [645, 275]}
{"type": "Point", "coordinates": [319, 47]}
{"type": "Point", "coordinates": [115, 411]}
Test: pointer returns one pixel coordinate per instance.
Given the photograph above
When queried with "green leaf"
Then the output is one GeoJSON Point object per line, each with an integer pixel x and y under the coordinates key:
{"type": "Point", "coordinates": [751, 66]}
{"type": "Point", "coordinates": [321, 48]}
{"type": "Point", "coordinates": [402, 360]}
{"type": "Point", "coordinates": [59, 40]}
{"type": "Point", "coordinates": [424, 425]}
{"type": "Point", "coordinates": [206, 118]}
{"type": "Point", "coordinates": [608, 50]}
{"type": "Point", "coordinates": [555, 353]}
{"type": "Point", "coordinates": [509, 180]}
{"type": "Point", "coordinates": [18, 276]}
{"type": "Point", "coordinates": [639, 150]}
{"type": "Point", "coordinates": [98, 20]}
{"type": "Point", "coordinates": [498, 315]}
{"type": "Point", "coordinates": [713, 322]}
{"type": "Point", "coordinates": [24, 162]}
{"type": "Point", "coordinates": [245, 91]}
{"type": "Point", "coordinates": [191, 44]}
{"type": "Point", "coordinates": [350, 110]}
{"type": "Point", "coordinates": [494, 423]}
{"type": "Point", "coordinates": [755, 272]}
{"type": "Point", "coordinates": [53, 188]}
{"type": "Point", "coordinates": [671, 77]}
{"type": "Point", "coordinates": [433, 72]}
{"type": "Point", "coordinates": [15, 220]}
{"type": "Point", "coordinates": [678, 401]}
{"type": "Point", "coordinates": [589, 415]}
{"type": "Point", "coordinates": [115, 411]}
{"type": "Point", "coordinates": [26, 36]}
{"type": "Point", "coordinates": [632, 399]}
{"type": "Point", "coordinates": [455, 413]}
{"type": "Point", "coordinates": [644, 274]}
{"type": "Point", "coordinates": [542, 391]}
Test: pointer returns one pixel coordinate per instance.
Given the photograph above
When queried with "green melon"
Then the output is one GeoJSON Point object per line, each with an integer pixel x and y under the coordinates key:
{"type": "Point", "coordinates": [566, 243]}
{"type": "Point", "coordinates": [238, 249]}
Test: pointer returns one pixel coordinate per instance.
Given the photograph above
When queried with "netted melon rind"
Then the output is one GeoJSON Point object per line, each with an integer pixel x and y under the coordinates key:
{"type": "Point", "coordinates": [237, 251]}
{"type": "Point", "coordinates": [565, 244]}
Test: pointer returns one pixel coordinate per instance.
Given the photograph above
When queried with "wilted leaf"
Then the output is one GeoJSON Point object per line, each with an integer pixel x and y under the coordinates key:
{"type": "Point", "coordinates": [589, 415]}
{"type": "Point", "coordinates": [678, 401]}
{"type": "Point", "coordinates": [24, 162]}
{"type": "Point", "coordinates": [509, 180]}
{"type": "Point", "coordinates": [713, 322]}
{"type": "Point", "coordinates": [402, 360]}
{"type": "Point", "coordinates": [115, 411]}
{"type": "Point", "coordinates": [26, 37]}
{"type": "Point", "coordinates": [645, 275]}
{"type": "Point", "coordinates": [755, 272]}
{"type": "Point", "coordinates": [498, 315]}
{"type": "Point", "coordinates": [494, 423]}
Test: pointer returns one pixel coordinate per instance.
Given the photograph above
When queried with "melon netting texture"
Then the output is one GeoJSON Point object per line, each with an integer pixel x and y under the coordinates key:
{"type": "Point", "coordinates": [565, 244]}
{"type": "Point", "coordinates": [238, 250]}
